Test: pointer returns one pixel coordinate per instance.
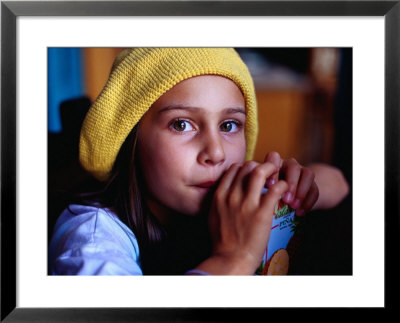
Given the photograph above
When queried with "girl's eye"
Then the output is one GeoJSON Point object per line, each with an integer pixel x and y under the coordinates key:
{"type": "Point", "coordinates": [229, 126]}
{"type": "Point", "coordinates": [181, 125]}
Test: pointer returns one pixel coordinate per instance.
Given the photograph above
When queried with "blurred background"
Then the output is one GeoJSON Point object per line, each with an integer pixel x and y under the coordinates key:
{"type": "Point", "coordinates": [305, 111]}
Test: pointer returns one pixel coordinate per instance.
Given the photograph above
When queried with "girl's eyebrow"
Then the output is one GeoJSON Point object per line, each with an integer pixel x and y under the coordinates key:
{"type": "Point", "coordinates": [181, 107]}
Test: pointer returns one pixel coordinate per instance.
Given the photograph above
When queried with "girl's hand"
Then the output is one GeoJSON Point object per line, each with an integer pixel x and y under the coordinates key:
{"type": "Point", "coordinates": [240, 218]}
{"type": "Point", "coordinates": [303, 192]}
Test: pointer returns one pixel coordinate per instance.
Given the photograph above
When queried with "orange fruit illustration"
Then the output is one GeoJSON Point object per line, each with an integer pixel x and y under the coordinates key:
{"type": "Point", "coordinates": [278, 264]}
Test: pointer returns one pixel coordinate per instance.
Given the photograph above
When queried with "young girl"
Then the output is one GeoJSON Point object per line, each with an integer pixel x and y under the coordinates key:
{"type": "Point", "coordinates": [169, 137]}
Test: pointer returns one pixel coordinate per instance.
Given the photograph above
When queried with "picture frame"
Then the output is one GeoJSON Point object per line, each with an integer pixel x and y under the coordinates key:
{"type": "Point", "coordinates": [10, 10]}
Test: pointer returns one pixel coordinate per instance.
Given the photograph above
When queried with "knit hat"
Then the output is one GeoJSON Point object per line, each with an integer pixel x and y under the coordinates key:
{"type": "Point", "coordinates": [137, 79]}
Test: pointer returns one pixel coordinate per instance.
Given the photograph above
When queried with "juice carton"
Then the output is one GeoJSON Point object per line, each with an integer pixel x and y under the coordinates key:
{"type": "Point", "coordinates": [280, 249]}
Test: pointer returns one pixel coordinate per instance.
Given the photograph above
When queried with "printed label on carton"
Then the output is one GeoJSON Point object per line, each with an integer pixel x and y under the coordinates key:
{"type": "Point", "coordinates": [276, 256]}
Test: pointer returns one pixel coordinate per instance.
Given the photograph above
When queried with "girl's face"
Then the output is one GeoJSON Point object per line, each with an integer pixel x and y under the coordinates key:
{"type": "Point", "coordinates": [188, 139]}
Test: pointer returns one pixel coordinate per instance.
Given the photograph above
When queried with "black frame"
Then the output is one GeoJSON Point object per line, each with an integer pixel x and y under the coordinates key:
{"type": "Point", "coordinates": [10, 10]}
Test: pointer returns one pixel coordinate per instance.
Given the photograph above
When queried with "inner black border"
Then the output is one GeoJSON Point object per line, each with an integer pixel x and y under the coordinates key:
{"type": "Point", "coordinates": [10, 10]}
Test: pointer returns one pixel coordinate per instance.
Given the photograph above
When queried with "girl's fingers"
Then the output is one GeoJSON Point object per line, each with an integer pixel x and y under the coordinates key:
{"type": "Point", "coordinates": [239, 183]}
{"type": "Point", "coordinates": [257, 181]}
{"type": "Point", "coordinates": [269, 200]}
{"type": "Point", "coordinates": [292, 171]}
{"type": "Point", "coordinates": [303, 186]}
{"type": "Point", "coordinates": [309, 201]}
{"type": "Point", "coordinates": [227, 179]}
{"type": "Point", "coordinates": [274, 158]}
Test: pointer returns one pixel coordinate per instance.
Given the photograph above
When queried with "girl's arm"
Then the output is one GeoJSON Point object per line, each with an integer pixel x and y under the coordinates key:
{"type": "Point", "coordinates": [333, 187]}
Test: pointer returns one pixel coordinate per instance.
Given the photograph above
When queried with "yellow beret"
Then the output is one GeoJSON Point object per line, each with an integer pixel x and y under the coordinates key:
{"type": "Point", "coordinates": [137, 79]}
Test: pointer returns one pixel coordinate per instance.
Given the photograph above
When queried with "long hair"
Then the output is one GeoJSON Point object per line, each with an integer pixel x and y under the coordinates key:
{"type": "Point", "coordinates": [163, 250]}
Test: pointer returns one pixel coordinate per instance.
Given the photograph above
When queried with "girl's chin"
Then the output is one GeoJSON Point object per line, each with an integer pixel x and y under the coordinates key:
{"type": "Point", "coordinates": [203, 208]}
{"type": "Point", "coordinates": [197, 208]}
{"type": "Point", "coordinates": [192, 211]}
{"type": "Point", "coordinates": [192, 205]}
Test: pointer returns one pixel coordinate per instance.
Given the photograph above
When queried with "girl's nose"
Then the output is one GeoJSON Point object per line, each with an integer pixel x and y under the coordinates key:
{"type": "Point", "coordinates": [212, 151]}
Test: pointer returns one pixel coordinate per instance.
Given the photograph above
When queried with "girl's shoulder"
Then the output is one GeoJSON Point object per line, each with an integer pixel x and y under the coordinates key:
{"type": "Point", "coordinates": [90, 214]}
{"type": "Point", "coordinates": [91, 234]}
{"type": "Point", "coordinates": [91, 218]}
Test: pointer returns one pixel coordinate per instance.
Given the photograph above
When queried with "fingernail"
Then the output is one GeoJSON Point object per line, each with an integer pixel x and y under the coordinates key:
{"type": "Point", "coordinates": [270, 182]}
{"type": "Point", "coordinates": [288, 197]}
{"type": "Point", "coordinates": [296, 203]}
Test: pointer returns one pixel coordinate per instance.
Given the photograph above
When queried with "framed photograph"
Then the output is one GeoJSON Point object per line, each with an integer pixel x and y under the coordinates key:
{"type": "Point", "coordinates": [369, 28]}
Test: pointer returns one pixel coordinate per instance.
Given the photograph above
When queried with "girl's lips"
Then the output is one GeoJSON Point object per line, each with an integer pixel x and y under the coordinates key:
{"type": "Point", "coordinates": [208, 184]}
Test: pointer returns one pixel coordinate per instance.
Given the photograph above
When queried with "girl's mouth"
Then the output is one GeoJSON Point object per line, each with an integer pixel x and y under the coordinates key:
{"type": "Point", "coordinates": [208, 184]}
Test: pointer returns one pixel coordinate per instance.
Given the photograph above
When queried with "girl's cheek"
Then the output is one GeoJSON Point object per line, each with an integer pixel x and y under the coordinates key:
{"type": "Point", "coordinates": [239, 151]}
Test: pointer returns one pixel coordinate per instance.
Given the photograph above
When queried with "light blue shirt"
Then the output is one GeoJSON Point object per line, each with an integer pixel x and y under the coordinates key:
{"type": "Point", "coordinates": [92, 241]}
